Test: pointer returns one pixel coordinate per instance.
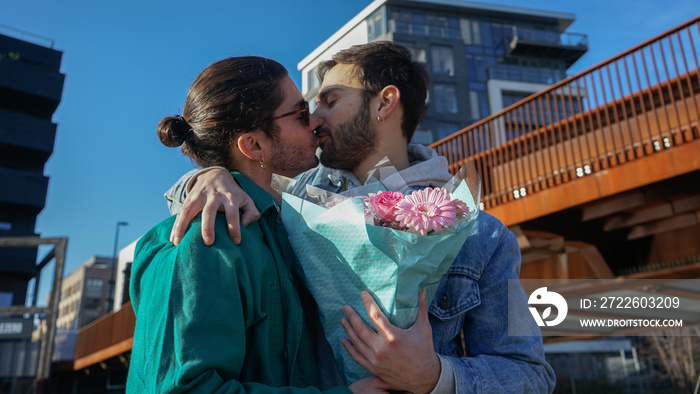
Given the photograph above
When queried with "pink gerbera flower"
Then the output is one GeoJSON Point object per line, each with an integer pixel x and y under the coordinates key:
{"type": "Point", "coordinates": [462, 211]}
{"type": "Point", "coordinates": [425, 210]}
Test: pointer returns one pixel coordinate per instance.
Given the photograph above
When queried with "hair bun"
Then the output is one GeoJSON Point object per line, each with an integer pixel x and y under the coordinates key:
{"type": "Point", "coordinates": [173, 130]}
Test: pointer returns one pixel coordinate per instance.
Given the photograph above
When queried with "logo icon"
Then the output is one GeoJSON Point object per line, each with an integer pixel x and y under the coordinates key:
{"type": "Point", "coordinates": [543, 297]}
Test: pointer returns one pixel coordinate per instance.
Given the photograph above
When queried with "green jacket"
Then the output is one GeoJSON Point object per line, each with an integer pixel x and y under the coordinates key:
{"type": "Point", "coordinates": [224, 318]}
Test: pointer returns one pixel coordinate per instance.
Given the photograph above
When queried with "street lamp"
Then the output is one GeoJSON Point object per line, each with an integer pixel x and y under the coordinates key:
{"type": "Point", "coordinates": [116, 239]}
{"type": "Point", "coordinates": [115, 267]}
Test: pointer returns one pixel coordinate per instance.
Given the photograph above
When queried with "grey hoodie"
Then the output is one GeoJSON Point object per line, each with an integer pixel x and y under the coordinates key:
{"type": "Point", "coordinates": [427, 169]}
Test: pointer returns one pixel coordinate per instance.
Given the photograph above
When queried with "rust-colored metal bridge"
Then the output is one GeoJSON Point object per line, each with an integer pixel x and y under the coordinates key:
{"type": "Point", "coordinates": [626, 122]}
{"type": "Point", "coordinates": [614, 149]}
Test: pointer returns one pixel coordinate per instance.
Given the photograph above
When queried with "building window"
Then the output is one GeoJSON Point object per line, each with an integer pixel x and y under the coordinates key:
{"type": "Point", "coordinates": [497, 34]}
{"type": "Point", "coordinates": [471, 31]}
{"type": "Point", "coordinates": [375, 25]}
{"type": "Point", "coordinates": [312, 80]}
{"type": "Point", "coordinates": [94, 285]}
{"type": "Point", "coordinates": [478, 104]}
{"type": "Point", "coordinates": [127, 281]}
{"type": "Point", "coordinates": [447, 129]}
{"type": "Point", "coordinates": [465, 28]}
{"type": "Point", "coordinates": [510, 98]}
{"type": "Point", "coordinates": [474, 106]}
{"type": "Point", "coordinates": [476, 68]}
{"type": "Point", "coordinates": [476, 33]}
{"type": "Point", "coordinates": [443, 60]}
{"type": "Point", "coordinates": [417, 52]}
{"type": "Point", "coordinates": [400, 22]}
{"type": "Point", "coordinates": [418, 24]}
{"type": "Point", "coordinates": [424, 24]}
{"type": "Point", "coordinates": [484, 104]}
{"type": "Point", "coordinates": [486, 34]}
{"type": "Point", "coordinates": [445, 99]}
{"type": "Point", "coordinates": [92, 302]}
{"type": "Point", "coordinates": [453, 31]}
{"type": "Point", "coordinates": [5, 298]}
{"type": "Point", "coordinates": [423, 137]}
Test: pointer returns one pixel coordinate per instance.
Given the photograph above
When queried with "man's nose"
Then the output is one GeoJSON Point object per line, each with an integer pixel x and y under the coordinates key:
{"type": "Point", "coordinates": [314, 121]}
{"type": "Point", "coordinates": [318, 113]}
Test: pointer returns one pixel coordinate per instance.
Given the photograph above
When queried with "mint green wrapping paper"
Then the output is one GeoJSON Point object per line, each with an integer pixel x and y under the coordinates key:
{"type": "Point", "coordinates": [339, 255]}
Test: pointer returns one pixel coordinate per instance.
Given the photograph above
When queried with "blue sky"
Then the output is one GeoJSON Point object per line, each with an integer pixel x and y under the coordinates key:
{"type": "Point", "coordinates": [129, 63]}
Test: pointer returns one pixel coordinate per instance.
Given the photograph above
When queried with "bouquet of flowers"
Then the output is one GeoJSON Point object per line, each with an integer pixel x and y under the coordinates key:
{"type": "Point", "coordinates": [391, 243]}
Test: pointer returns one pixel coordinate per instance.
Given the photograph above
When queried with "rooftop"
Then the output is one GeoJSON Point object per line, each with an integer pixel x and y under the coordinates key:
{"type": "Point", "coordinates": [563, 19]}
{"type": "Point", "coordinates": [10, 31]}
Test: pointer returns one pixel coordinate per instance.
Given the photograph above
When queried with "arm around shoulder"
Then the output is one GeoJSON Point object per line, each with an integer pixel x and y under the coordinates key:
{"type": "Point", "coordinates": [175, 196]}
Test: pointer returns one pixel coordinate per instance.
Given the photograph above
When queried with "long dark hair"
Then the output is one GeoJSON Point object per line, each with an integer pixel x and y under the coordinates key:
{"type": "Point", "coordinates": [226, 99]}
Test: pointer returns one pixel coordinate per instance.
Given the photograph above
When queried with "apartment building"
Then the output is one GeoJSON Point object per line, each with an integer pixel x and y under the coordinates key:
{"type": "Point", "coordinates": [86, 293]}
{"type": "Point", "coordinates": [481, 57]}
{"type": "Point", "coordinates": [31, 86]}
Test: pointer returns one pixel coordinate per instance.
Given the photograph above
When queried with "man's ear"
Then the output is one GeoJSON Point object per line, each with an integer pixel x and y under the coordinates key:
{"type": "Point", "coordinates": [249, 145]}
{"type": "Point", "coordinates": [388, 100]}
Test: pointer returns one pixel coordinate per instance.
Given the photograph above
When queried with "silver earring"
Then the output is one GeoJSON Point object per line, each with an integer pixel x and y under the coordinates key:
{"type": "Point", "coordinates": [380, 119]}
{"type": "Point", "coordinates": [262, 163]}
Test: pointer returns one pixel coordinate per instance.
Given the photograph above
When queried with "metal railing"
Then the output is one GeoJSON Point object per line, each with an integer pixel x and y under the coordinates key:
{"type": "Point", "coordinates": [526, 74]}
{"type": "Point", "coordinates": [423, 29]}
{"type": "Point", "coordinates": [633, 105]}
{"type": "Point", "coordinates": [26, 36]}
{"type": "Point", "coordinates": [549, 37]}
{"type": "Point", "coordinates": [101, 339]}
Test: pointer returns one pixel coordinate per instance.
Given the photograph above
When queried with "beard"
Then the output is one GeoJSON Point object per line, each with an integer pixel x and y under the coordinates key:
{"type": "Point", "coordinates": [351, 142]}
{"type": "Point", "coordinates": [290, 160]}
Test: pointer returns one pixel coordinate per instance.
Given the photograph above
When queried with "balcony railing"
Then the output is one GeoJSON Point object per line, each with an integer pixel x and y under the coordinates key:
{"type": "Point", "coordinates": [567, 47]}
{"type": "Point", "coordinates": [549, 37]}
{"type": "Point", "coordinates": [634, 105]}
{"type": "Point", "coordinates": [423, 29]}
{"type": "Point", "coordinates": [26, 36]}
{"type": "Point", "coordinates": [109, 336]}
{"type": "Point", "coordinates": [526, 74]}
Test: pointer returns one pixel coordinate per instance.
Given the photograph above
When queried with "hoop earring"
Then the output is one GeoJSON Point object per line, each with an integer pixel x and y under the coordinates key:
{"type": "Point", "coordinates": [262, 163]}
{"type": "Point", "coordinates": [380, 119]}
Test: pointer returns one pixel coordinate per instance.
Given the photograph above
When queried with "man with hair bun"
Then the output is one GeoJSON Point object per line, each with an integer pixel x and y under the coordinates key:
{"type": "Point", "coordinates": [229, 318]}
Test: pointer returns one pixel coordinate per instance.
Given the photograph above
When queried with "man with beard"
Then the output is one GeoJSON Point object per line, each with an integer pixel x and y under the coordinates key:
{"type": "Point", "coordinates": [371, 100]}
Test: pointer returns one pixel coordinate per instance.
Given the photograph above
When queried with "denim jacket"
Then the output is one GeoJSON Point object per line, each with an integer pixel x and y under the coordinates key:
{"type": "Point", "coordinates": [472, 298]}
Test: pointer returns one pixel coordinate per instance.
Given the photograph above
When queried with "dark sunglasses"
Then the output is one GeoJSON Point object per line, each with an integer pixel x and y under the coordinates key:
{"type": "Point", "coordinates": [304, 111]}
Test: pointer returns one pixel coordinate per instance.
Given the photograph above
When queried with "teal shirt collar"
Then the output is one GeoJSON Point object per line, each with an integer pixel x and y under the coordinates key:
{"type": "Point", "coordinates": [262, 199]}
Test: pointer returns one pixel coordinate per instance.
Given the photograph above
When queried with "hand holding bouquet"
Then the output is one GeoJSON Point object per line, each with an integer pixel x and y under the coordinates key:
{"type": "Point", "coordinates": [389, 243]}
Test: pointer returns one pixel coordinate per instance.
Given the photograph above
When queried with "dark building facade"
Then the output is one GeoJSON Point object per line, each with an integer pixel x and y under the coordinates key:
{"type": "Point", "coordinates": [31, 86]}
